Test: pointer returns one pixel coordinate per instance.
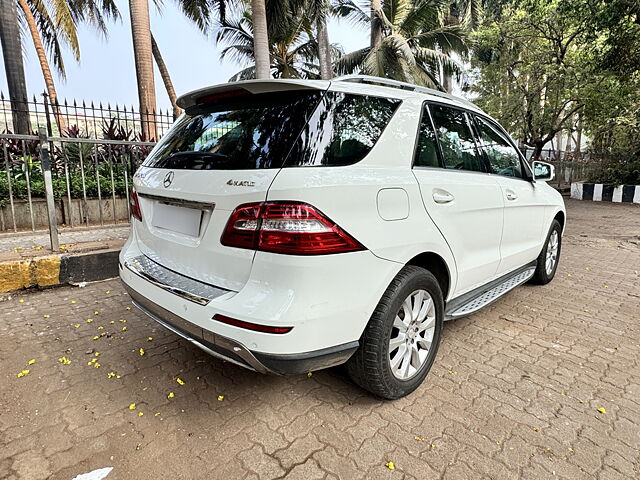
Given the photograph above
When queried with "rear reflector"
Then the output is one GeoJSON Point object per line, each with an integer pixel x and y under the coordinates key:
{"type": "Point", "coordinates": [216, 97]}
{"type": "Point", "coordinates": [134, 205]}
{"type": "Point", "coordinates": [292, 228]}
{"type": "Point", "coordinates": [251, 326]}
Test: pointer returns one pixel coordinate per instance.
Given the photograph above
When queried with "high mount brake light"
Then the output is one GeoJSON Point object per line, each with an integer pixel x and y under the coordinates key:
{"type": "Point", "coordinates": [134, 205]}
{"type": "Point", "coordinates": [251, 326]}
{"type": "Point", "coordinates": [292, 228]}
{"type": "Point", "coordinates": [215, 97]}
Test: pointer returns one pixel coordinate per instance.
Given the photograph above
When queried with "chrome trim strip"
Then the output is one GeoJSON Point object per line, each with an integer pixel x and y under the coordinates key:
{"type": "Point", "coordinates": [177, 325]}
{"type": "Point", "coordinates": [180, 202]}
{"type": "Point", "coordinates": [183, 286]}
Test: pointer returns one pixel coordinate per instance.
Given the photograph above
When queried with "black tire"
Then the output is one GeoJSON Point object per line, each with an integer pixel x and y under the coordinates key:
{"type": "Point", "coordinates": [541, 276]}
{"type": "Point", "coordinates": [370, 366]}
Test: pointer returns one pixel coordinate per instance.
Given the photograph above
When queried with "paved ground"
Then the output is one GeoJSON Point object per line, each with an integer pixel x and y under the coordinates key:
{"type": "Point", "coordinates": [514, 393]}
{"type": "Point", "coordinates": [25, 242]}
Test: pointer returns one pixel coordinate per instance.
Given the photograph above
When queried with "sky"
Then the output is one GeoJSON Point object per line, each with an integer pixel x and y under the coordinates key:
{"type": "Point", "coordinates": [106, 72]}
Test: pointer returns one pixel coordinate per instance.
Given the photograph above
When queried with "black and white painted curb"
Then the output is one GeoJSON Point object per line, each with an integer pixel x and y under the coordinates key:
{"type": "Point", "coordinates": [606, 193]}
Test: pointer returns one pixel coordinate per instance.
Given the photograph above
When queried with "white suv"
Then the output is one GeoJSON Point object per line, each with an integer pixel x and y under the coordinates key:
{"type": "Point", "coordinates": [290, 225]}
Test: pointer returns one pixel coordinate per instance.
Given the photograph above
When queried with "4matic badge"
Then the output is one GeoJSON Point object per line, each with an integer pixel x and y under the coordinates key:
{"type": "Point", "coordinates": [241, 183]}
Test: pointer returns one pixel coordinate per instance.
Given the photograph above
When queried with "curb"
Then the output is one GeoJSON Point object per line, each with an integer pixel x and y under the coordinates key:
{"type": "Point", "coordinates": [52, 270]}
{"type": "Point", "coordinates": [599, 192]}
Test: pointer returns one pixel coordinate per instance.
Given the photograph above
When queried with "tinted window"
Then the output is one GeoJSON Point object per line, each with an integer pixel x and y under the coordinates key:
{"type": "Point", "coordinates": [342, 130]}
{"type": "Point", "coordinates": [250, 132]}
{"type": "Point", "coordinates": [427, 148]}
{"type": "Point", "coordinates": [503, 157]}
{"type": "Point", "coordinates": [456, 140]}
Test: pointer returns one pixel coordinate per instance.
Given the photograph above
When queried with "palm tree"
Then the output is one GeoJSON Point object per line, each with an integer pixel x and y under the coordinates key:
{"type": "Point", "coordinates": [415, 45]}
{"type": "Point", "coordinates": [166, 78]}
{"type": "Point", "coordinates": [143, 55]}
{"type": "Point", "coordinates": [12, 54]}
{"type": "Point", "coordinates": [54, 24]}
{"type": "Point", "coordinates": [292, 51]}
{"type": "Point", "coordinates": [260, 38]}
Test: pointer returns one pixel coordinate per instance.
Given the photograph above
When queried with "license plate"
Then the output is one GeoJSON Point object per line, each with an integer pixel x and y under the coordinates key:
{"type": "Point", "coordinates": [177, 219]}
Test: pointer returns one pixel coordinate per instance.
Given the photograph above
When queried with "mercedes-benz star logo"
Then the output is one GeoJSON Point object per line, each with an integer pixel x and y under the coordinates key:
{"type": "Point", "coordinates": [168, 178]}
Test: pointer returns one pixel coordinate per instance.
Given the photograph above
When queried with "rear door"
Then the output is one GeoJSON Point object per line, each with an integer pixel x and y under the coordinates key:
{"type": "Point", "coordinates": [223, 152]}
{"type": "Point", "coordinates": [523, 206]}
{"type": "Point", "coordinates": [462, 199]}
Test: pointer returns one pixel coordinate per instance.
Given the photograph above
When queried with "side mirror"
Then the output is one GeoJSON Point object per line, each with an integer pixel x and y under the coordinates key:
{"type": "Point", "coordinates": [543, 171]}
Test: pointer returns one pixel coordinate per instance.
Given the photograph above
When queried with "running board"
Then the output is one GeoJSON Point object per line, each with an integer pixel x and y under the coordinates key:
{"type": "Point", "coordinates": [471, 303]}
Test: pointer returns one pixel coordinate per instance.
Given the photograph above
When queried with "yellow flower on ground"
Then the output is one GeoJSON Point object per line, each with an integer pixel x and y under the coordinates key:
{"type": "Point", "coordinates": [220, 398]}
{"type": "Point", "coordinates": [140, 414]}
{"type": "Point", "coordinates": [23, 373]}
{"type": "Point", "coordinates": [111, 374]}
{"type": "Point", "coordinates": [141, 351]}
{"type": "Point", "coordinates": [122, 320]}
{"type": "Point", "coordinates": [76, 325]}
{"type": "Point", "coordinates": [31, 362]}
{"type": "Point", "coordinates": [21, 300]}
{"type": "Point", "coordinates": [46, 315]}
{"type": "Point", "coordinates": [418, 439]}
{"type": "Point", "coordinates": [128, 308]}
{"type": "Point", "coordinates": [64, 361]}
{"type": "Point", "coordinates": [171, 395]}
{"type": "Point", "coordinates": [124, 329]}
{"type": "Point", "coordinates": [602, 410]}
{"type": "Point", "coordinates": [96, 365]}
{"type": "Point", "coordinates": [96, 313]}
{"type": "Point", "coordinates": [309, 374]}
{"type": "Point", "coordinates": [112, 322]}
{"type": "Point", "coordinates": [96, 337]}
{"type": "Point", "coordinates": [108, 292]}
{"type": "Point", "coordinates": [97, 354]}
{"type": "Point", "coordinates": [73, 301]}
{"type": "Point", "coordinates": [157, 414]}
{"type": "Point", "coordinates": [390, 465]}
{"type": "Point", "coordinates": [132, 406]}
{"type": "Point", "coordinates": [100, 327]}
{"type": "Point", "coordinates": [89, 320]}
{"type": "Point", "coordinates": [149, 339]}
{"type": "Point", "coordinates": [180, 381]}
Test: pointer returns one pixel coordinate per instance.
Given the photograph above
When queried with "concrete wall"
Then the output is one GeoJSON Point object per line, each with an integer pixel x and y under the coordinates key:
{"type": "Point", "coordinates": [74, 213]}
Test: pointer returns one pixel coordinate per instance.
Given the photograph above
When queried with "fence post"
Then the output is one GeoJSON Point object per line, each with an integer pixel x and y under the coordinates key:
{"type": "Point", "coordinates": [45, 162]}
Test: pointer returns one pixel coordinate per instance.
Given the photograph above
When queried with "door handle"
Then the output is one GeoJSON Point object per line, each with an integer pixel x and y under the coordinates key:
{"type": "Point", "coordinates": [511, 195]}
{"type": "Point", "coordinates": [442, 196]}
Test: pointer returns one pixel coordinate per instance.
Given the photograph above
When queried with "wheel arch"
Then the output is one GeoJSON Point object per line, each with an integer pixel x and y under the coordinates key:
{"type": "Point", "coordinates": [435, 264]}
{"type": "Point", "coordinates": [561, 218]}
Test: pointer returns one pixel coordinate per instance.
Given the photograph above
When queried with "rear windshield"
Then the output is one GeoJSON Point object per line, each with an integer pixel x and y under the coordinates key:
{"type": "Point", "coordinates": [293, 128]}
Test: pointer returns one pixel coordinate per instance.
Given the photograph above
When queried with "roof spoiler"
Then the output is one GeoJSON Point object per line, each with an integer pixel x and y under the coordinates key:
{"type": "Point", "coordinates": [250, 86]}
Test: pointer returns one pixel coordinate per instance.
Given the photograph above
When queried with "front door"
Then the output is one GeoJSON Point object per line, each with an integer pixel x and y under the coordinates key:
{"type": "Point", "coordinates": [522, 234]}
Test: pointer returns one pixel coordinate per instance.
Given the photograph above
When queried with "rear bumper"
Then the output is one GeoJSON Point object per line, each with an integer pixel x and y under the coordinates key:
{"type": "Point", "coordinates": [235, 352]}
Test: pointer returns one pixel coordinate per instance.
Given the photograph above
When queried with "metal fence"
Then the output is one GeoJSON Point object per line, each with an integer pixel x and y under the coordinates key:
{"type": "Point", "coordinates": [69, 181]}
{"type": "Point", "coordinates": [83, 119]}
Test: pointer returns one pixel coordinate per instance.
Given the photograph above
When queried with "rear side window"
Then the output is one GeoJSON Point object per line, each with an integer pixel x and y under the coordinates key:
{"type": "Point", "coordinates": [503, 157]}
{"type": "Point", "coordinates": [456, 140]}
{"type": "Point", "coordinates": [427, 148]}
{"type": "Point", "coordinates": [264, 130]}
{"type": "Point", "coordinates": [342, 130]}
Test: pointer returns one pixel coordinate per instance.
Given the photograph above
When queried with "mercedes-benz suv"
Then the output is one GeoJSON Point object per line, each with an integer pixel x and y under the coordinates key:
{"type": "Point", "coordinates": [290, 225]}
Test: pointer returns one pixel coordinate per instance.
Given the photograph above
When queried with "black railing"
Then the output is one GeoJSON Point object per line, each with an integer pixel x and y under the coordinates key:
{"type": "Point", "coordinates": [83, 119]}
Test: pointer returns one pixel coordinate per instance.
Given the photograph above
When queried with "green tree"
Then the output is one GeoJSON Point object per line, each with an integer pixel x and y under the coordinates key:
{"type": "Point", "coordinates": [409, 41]}
{"type": "Point", "coordinates": [292, 51]}
{"type": "Point", "coordinates": [535, 70]}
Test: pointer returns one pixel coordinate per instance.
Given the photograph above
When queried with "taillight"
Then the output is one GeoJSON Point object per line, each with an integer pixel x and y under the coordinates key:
{"type": "Point", "coordinates": [134, 205]}
{"type": "Point", "coordinates": [286, 227]}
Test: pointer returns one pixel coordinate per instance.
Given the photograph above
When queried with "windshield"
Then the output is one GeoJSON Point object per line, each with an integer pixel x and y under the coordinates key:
{"type": "Point", "coordinates": [293, 128]}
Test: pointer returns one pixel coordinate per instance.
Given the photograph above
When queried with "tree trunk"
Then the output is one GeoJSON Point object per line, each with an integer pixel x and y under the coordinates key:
{"type": "Point", "coordinates": [260, 39]}
{"type": "Point", "coordinates": [537, 150]}
{"type": "Point", "coordinates": [13, 66]}
{"type": "Point", "coordinates": [578, 136]}
{"type": "Point", "coordinates": [324, 48]}
{"type": "Point", "coordinates": [376, 23]}
{"type": "Point", "coordinates": [44, 66]}
{"type": "Point", "coordinates": [142, 51]}
{"type": "Point", "coordinates": [166, 78]}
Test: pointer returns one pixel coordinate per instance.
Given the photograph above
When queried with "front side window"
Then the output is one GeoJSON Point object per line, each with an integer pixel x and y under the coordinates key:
{"type": "Point", "coordinates": [503, 157]}
{"type": "Point", "coordinates": [456, 139]}
{"type": "Point", "coordinates": [427, 148]}
{"type": "Point", "coordinates": [342, 130]}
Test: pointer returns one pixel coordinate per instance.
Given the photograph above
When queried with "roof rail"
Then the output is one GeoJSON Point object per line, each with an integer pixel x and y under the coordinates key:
{"type": "Point", "coordinates": [387, 82]}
